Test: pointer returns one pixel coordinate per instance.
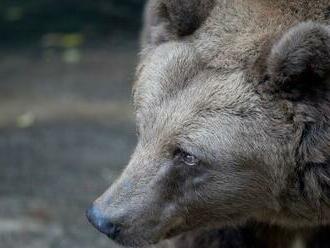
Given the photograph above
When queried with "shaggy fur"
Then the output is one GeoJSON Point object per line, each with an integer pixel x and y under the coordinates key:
{"type": "Point", "coordinates": [240, 90]}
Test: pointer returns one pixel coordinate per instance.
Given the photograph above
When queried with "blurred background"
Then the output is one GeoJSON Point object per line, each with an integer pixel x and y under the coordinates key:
{"type": "Point", "coordinates": [66, 121]}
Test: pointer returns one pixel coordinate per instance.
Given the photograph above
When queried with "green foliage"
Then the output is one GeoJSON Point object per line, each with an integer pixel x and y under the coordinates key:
{"type": "Point", "coordinates": [29, 20]}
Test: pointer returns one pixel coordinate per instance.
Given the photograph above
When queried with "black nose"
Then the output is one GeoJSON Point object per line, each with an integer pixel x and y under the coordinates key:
{"type": "Point", "coordinates": [102, 223]}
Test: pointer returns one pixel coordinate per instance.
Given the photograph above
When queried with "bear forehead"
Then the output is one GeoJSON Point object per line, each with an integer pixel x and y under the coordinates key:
{"type": "Point", "coordinates": [175, 92]}
{"type": "Point", "coordinates": [174, 73]}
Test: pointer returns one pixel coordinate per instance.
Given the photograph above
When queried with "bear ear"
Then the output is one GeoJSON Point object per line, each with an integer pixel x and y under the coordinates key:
{"type": "Point", "coordinates": [171, 19]}
{"type": "Point", "coordinates": [298, 64]}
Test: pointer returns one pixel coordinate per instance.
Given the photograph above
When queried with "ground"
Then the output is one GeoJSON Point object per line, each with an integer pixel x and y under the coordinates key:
{"type": "Point", "coordinates": [66, 131]}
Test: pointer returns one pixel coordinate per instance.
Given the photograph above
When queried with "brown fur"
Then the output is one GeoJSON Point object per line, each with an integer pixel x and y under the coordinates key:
{"type": "Point", "coordinates": [232, 103]}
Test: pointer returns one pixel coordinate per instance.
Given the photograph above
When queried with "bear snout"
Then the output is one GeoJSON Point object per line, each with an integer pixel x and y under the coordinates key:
{"type": "Point", "coordinates": [102, 223]}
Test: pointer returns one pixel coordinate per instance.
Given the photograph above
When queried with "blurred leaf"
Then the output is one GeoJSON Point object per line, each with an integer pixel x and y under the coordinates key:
{"type": "Point", "coordinates": [51, 40]}
{"type": "Point", "coordinates": [72, 40]}
{"type": "Point", "coordinates": [72, 56]}
{"type": "Point", "coordinates": [62, 40]}
{"type": "Point", "coordinates": [14, 13]}
{"type": "Point", "coordinates": [25, 120]}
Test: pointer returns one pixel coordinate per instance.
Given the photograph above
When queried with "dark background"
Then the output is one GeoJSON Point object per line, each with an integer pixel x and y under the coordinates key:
{"type": "Point", "coordinates": [66, 120]}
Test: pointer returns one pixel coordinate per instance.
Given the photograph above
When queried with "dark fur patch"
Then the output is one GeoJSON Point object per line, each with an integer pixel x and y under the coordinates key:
{"type": "Point", "coordinates": [320, 238]}
{"type": "Point", "coordinates": [327, 13]}
{"type": "Point", "coordinates": [251, 235]}
{"type": "Point", "coordinates": [172, 19]}
{"type": "Point", "coordinates": [298, 65]}
{"type": "Point", "coordinates": [186, 16]}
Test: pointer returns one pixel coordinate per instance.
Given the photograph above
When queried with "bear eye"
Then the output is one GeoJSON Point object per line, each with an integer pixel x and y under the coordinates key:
{"type": "Point", "coordinates": [186, 157]}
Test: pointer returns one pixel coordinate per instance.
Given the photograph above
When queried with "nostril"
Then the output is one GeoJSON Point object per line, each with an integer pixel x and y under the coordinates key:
{"type": "Point", "coordinates": [102, 223]}
{"type": "Point", "coordinates": [114, 230]}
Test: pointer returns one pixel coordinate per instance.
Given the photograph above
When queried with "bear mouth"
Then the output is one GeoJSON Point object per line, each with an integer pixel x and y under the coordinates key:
{"type": "Point", "coordinates": [170, 233]}
{"type": "Point", "coordinates": [141, 242]}
{"type": "Point", "coordinates": [135, 240]}
{"type": "Point", "coordinates": [173, 232]}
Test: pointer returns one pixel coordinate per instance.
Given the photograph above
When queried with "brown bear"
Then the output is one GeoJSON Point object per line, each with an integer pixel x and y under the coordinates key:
{"type": "Point", "coordinates": [232, 108]}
